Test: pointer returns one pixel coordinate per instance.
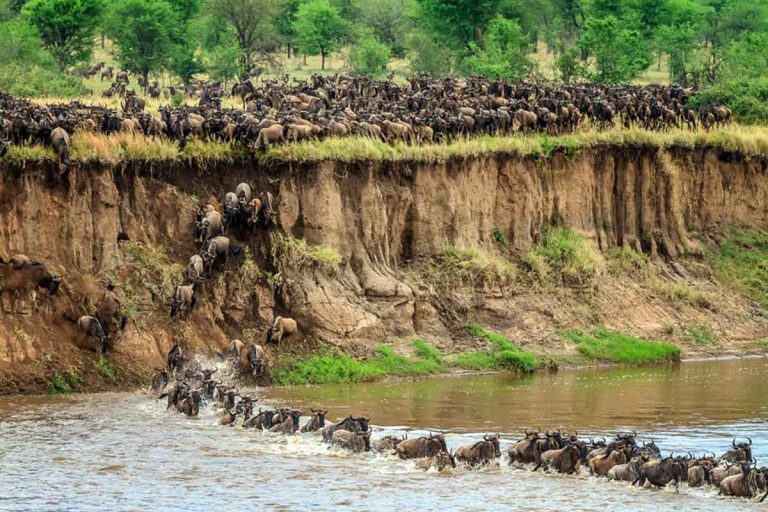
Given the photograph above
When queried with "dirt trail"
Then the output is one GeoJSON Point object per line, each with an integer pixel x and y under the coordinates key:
{"type": "Point", "coordinates": [133, 225]}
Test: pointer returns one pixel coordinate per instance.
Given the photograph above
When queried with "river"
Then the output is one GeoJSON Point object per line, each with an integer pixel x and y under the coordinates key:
{"type": "Point", "coordinates": [123, 451]}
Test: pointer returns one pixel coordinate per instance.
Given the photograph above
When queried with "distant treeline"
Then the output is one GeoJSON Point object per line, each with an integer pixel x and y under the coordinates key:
{"type": "Point", "coordinates": [719, 45]}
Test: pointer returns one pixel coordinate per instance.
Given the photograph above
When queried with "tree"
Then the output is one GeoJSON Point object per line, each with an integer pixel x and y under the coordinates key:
{"type": "Point", "coordinates": [142, 31]}
{"type": "Point", "coordinates": [284, 21]}
{"type": "Point", "coordinates": [387, 19]}
{"type": "Point", "coordinates": [621, 53]}
{"type": "Point", "coordinates": [504, 53]}
{"type": "Point", "coordinates": [369, 57]}
{"type": "Point", "coordinates": [459, 22]}
{"type": "Point", "coordinates": [319, 29]}
{"type": "Point", "coordinates": [66, 27]}
{"type": "Point", "coordinates": [185, 63]}
{"type": "Point", "coordinates": [427, 56]}
{"type": "Point", "coordinates": [222, 63]}
{"type": "Point", "coordinates": [252, 22]}
{"type": "Point", "coordinates": [185, 9]}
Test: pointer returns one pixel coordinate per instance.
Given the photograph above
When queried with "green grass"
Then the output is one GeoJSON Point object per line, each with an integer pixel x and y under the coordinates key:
{"type": "Point", "coordinates": [565, 256]}
{"type": "Point", "coordinates": [700, 335]}
{"type": "Point", "coordinates": [59, 384]}
{"type": "Point", "coordinates": [606, 345]}
{"type": "Point", "coordinates": [503, 355]}
{"type": "Point", "coordinates": [741, 262]}
{"type": "Point", "coordinates": [290, 252]}
{"type": "Point", "coordinates": [106, 369]}
{"type": "Point", "coordinates": [683, 293]}
{"type": "Point", "coordinates": [762, 344]}
{"type": "Point", "coordinates": [425, 351]}
{"type": "Point", "coordinates": [335, 368]}
{"type": "Point", "coordinates": [471, 267]}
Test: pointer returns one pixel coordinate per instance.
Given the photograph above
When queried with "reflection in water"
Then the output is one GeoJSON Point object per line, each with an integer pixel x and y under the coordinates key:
{"type": "Point", "coordinates": [125, 452]}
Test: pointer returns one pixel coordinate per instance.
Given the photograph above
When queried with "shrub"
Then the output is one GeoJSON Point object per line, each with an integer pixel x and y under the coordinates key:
{"type": "Point", "coordinates": [426, 351]}
{"type": "Point", "coordinates": [505, 355]}
{"type": "Point", "coordinates": [564, 255]}
{"type": "Point", "coordinates": [747, 98]}
{"type": "Point", "coordinates": [369, 57]}
{"type": "Point", "coordinates": [742, 262]}
{"type": "Point", "coordinates": [59, 385]}
{"type": "Point", "coordinates": [606, 345]}
{"type": "Point", "coordinates": [106, 369]}
{"type": "Point", "coordinates": [470, 266]}
{"type": "Point", "coordinates": [296, 253]}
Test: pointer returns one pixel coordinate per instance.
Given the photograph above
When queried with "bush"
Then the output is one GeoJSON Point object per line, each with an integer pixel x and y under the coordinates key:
{"type": "Point", "coordinates": [106, 369]}
{"type": "Point", "coordinates": [564, 255]}
{"type": "Point", "coordinates": [747, 98]}
{"type": "Point", "coordinates": [504, 53]}
{"type": "Point", "coordinates": [505, 356]}
{"type": "Point", "coordinates": [426, 351]}
{"type": "Point", "coordinates": [742, 262]}
{"type": "Point", "coordinates": [338, 368]}
{"type": "Point", "coordinates": [606, 345]}
{"type": "Point", "coordinates": [59, 385]}
{"type": "Point", "coordinates": [296, 253]}
{"type": "Point", "coordinates": [370, 57]}
{"type": "Point", "coordinates": [470, 266]}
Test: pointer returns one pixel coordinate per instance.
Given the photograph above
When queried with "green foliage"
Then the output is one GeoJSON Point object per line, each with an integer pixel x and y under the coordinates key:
{"type": "Point", "coordinates": [564, 255]}
{"type": "Point", "coordinates": [504, 355]}
{"type": "Point", "coordinates": [606, 345]}
{"type": "Point", "coordinates": [143, 33]}
{"type": "Point", "coordinates": [222, 63]}
{"type": "Point", "coordinates": [26, 69]}
{"type": "Point", "coordinates": [569, 65]}
{"type": "Point", "coordinates": [253, 24]}
{"type": "Point", "coordinates": [296, 253]}
{"type": "Point", "coordinates": [428, 56]}
{"type": "Point", "coordinates": [621, 53]}
{"type": "Point", "coordinates": [59, 385]}
{"type": "Point", "coordinates": [388, 20]}
{"type": "Point", "coordinates": [66, 27]}
{"type": "Point", "coordinates": [684, 293]}
{"type": "Point", "coordinates": [742, 262]}
{"type": "Point", "coordinates": [471, 267]}
{"type": "Point", "coordinates": [319, 28]}
{"type": "Point", "coordinates": [106, 369]}
{"type": "Point", "coordinates": [426, 351]}
{"type": "Point", "coordinates": [338, 368]}
{"type": "Point", "coordinates": [369, 57]}
{"type": "Point", "coordinates": [184, 63]}
{"type": "Point", "coordinates": [499, 237]}
{"type": "Point", "coordinates": [458, 22]}
{"type": "Point", "coordinates": [503, 54]}
{"type": "Point", "coordinates": [747, 98]}
{"type": "Point", "coordinates": [177, 100]}
{"type": "Point", "coordinates": [700, 335]}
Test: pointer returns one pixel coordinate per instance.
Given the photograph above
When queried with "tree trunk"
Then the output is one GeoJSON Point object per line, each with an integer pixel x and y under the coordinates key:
{"type": "Point", "coordinates": [146, 81]}
{"type": "Point", "coordinates": [322, 60]}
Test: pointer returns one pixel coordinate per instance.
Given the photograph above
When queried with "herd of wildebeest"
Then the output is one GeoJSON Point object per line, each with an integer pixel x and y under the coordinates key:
{"type": "Point", "coordinates": [187, 386]}
{"type": "Point", "coordinates": [426, 110]}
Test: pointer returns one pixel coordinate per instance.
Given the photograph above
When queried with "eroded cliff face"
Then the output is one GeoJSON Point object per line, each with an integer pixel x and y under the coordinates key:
{"type": "Point", "coordinates": [134, 226]}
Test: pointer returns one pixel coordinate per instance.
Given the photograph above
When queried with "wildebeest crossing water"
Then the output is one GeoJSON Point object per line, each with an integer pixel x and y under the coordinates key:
{"type": "Point", "coordinates": [126, 452]}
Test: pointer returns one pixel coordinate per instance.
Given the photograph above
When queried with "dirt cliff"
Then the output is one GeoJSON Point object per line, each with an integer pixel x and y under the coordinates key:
{"type": "Point", "coordinates": [133, 225]}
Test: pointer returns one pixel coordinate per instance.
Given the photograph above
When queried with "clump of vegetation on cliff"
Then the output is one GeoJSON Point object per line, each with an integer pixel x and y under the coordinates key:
{"type": "Point", "coordinates": [564, 256]}
{"type": "Point", "coordinates": [296, 253]}
{"type": "Point", "coordinates": [606, 345]}
{"type": "Point", "coordinates": [503, 355]}
{"type": "Point", "coordinates": [335, 368]}
{"type": "Point", "coordinates": [742, 262]}
{"type": "Point", "coordinates": [470, 267]}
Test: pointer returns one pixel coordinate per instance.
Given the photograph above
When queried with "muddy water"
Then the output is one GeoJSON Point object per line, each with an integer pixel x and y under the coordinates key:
{"type": "Point", "coordinates": [125, 452]}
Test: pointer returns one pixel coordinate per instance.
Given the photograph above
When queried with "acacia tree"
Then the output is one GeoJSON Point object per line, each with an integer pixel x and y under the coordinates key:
{"type": "Point", "coordinates": [142, 31]}
{"type": "Point", "coordinates": [319, 29]}
{"type": "Point", "coordinates": [66, 27]}
{"type": "Point", "coordinates": [252, 21]}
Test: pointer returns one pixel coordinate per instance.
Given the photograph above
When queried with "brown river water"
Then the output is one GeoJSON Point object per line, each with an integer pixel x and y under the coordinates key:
{"type": "Point", "coordinates": [124, 452]}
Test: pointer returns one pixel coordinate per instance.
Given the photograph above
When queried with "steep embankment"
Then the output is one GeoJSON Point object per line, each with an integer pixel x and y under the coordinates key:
{"type": "Point", "coordinates": [390, 222]}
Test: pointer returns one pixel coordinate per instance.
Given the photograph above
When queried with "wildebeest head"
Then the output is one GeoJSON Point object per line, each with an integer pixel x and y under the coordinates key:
{"type": "Point", "coordinates": [320, 414]}
{"type": "Point", "coordinates": [494, 440]}
{"type": "Point", "coordinates": [744, 447]}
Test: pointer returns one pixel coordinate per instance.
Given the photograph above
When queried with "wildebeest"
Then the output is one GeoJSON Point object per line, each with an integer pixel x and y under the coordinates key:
{"type": "Point", "coordinates": [61, 145]}
{"type": "Point", "coordinates": [110, 312]}
{"type": "Point", "coordinates": [183, 300]}
{"type": "Point", "coordinates": [316, 422]}
{"type": "Point", "coordinates": [190, 404]}
{"type": "Point", "coordinates": [721, 472]}
{"type": "Point", "coordinates": [480, 453]}
{"type": "Point", "coordinates": [660, 472]}
{"type": "Point", "coordinates": [601, 464]}
{"type": "Point", "coordinates": [195, 268]}
{"type": "Point", "coordinates": [750, 483]}
{"type": "Point", "coordinates": [425, 446]}
{"type": "Point", "coordinates": [159, 381]}
{"type": "Point", "coordinates": [91, 327]}
{"type": "Point", "coordinates": [386, 444]}
{"type": "Point", "coordinates": [20, 271]}
{"type": "Point", "coordinates": [290, 425]}
{"type": "Point", "coordinates": [263, 420]}
{"type": "Point", "coordinates": [564, 460]}
{"type": "Point", "coordinates": [251, 357]}
{"type": "Point", "coordinates": [700, 471]}
{"type": "Point", "coordinates": [281, 327]}
{"type": "Point", "coordinates": [740, 452]}
{"type": "Point", "coordinates": [217, 250]}
{"type": "Point", "coordinates": [628, 471]}
{"type": "Point", "coordinates": [439, 461]}
{"type": "Point", "coordinates": [351, 423]}
{"type": "Point", "coordinates": [353, 441]}
{"type": "Point", "coordinates": [522, 451]}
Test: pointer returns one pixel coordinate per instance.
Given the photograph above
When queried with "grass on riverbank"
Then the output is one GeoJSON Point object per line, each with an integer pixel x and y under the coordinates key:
{"type": "Point", "coordinates": [606, 345]}
{"type": "Point", "coordinates": [742, 262]}
{"type": "Point", "coordinates": [564, 255]}
{"type": "Point", "coordinates": [121, 147]}
{"type": "Point", "coordinates": [503, 355]}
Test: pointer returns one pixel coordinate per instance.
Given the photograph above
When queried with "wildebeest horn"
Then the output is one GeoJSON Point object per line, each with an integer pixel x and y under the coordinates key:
{"type": "Point", "coordinates": [734, 442]}
{"type": "Point", "coordinates": [690, 455]}
{"type": "Point", "coordinates": [750, 441]}
{"type": "Point", "coordinates": [485, 437]}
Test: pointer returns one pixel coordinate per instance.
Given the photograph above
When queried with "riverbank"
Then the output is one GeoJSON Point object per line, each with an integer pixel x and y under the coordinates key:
{"type": "Point", "coordinates": [368, 256]}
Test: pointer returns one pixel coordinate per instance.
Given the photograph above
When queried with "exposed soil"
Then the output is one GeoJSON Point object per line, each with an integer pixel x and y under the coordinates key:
{"type": "Point", "coordinates": [386, 221]}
